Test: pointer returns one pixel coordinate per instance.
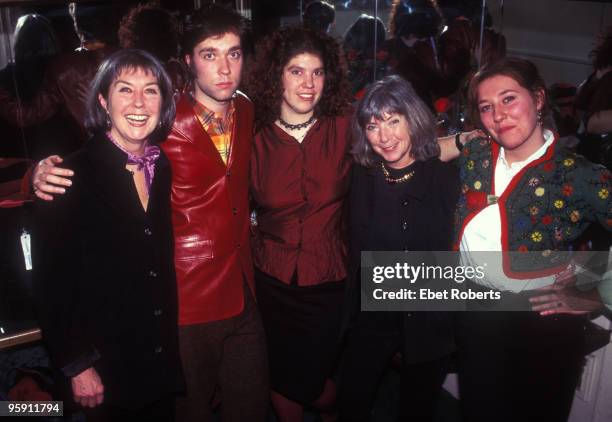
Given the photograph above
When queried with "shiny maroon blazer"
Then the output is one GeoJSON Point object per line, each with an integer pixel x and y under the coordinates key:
{"type": "Point", "coordinates": [210, 215]}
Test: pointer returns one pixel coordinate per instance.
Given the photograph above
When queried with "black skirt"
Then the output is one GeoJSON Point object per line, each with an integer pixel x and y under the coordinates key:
{"type": "Point", "coordinates": [302, 328]}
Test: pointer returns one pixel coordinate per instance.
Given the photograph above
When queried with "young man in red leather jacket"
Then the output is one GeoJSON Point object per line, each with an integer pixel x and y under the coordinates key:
{"type": "Point", "coordinates": [221, 338]}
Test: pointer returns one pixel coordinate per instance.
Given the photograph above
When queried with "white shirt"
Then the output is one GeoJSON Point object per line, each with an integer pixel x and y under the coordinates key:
{"type": "Point", "coordinates": [483, 232]}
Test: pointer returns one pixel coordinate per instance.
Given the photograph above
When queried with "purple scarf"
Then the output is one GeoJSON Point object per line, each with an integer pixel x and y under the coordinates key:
{"type": "Point", "coordinates": [146, 160]}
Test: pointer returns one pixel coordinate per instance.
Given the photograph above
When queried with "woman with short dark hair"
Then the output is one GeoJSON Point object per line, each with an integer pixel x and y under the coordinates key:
{"type": "Point", "coordinates": [129, 61]}
{"type": "Point", "coordinates": [402, 198]}
{"type": "Point", "coordinates": [104, 276]}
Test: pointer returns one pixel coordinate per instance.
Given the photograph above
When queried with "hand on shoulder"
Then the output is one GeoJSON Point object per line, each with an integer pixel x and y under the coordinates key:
{"type": "Point", "coordinates": [48, 179]}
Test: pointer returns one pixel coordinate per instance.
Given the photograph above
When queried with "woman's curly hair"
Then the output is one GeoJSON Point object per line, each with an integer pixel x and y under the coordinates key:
{"type": "Point", "coordinates": [264, 82]}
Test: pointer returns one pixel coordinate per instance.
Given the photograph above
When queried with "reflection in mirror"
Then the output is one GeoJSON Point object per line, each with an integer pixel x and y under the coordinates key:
{"type": "Point", "coordinates": [359, 44]}
{"type": "Point", "coordinates": [359, 25]}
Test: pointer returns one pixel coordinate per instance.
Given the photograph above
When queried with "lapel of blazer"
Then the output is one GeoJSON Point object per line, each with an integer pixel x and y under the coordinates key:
{"type": "Point", "coordinates": [237, 126]}
{"type": "Point", "coordinates": [242, 122]}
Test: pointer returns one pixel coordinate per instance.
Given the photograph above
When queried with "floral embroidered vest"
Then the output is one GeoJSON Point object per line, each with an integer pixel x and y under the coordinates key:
{"type": "Point", "coordinates": [546, 206]}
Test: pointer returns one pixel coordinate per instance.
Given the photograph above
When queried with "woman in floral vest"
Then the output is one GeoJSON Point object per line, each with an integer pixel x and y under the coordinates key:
{"type": "Point", "coordinates": [526, 198]}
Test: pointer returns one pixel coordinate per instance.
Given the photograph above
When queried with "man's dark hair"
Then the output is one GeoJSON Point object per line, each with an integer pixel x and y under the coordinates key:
{"type": "Point", "coordinates": [211, 21]}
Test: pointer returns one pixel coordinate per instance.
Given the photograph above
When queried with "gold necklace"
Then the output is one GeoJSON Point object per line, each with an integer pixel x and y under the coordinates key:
{"type": "Point", "coordinates": [395, 180]}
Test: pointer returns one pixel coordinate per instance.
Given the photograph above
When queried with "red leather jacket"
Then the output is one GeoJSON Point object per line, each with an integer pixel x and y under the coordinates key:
{"type": "Point", "coordinates": [210, 215]}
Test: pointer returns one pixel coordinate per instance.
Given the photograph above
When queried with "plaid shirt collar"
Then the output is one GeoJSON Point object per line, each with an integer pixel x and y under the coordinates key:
{"type": "Point", "coordinates": [210, 120]}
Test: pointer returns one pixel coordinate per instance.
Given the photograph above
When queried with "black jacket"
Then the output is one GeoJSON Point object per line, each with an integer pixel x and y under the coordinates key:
{"type": "Point", "coordinates": [104, 277]}
{"type": "Point", "coordinates": [427, 204]}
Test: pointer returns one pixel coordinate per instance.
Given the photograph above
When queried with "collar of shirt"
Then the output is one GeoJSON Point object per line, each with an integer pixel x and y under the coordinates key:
{"type": "Point", "coordinates": [517, 166]}
{"type": "Point", "coordinates": [210, 120]}
{"type": "Point", "coordinates": [505, 172]}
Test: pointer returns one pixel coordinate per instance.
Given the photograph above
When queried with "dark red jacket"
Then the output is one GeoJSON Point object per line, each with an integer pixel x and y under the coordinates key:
{"type": "Point", "coordinates": [210, 215]}
{"type": "Point", "coordinates": [65, 87]}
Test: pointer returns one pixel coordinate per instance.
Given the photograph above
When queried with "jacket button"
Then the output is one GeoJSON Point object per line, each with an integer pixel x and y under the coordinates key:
{"type": "Point", "coordinates": [408, 314]}
{"type": "Point", "coordinates": [157, 312]}
{"type": "Point", "coordinates": [404, 225]}
{"type": "Point", "coordinates": [229, 173]}
{"type": "Point", "coordinates": [148, 231]}
{"type": "Point", "coordinates": [152, 274]}
{"type": "Point", "coordinates": [234, 211]}
{"type": "Point", "coordinates": [158, 350]}
{"type": "Point", "coordinates": [239, 246]}
{"type": "Point", "coordinates": [405, 203]}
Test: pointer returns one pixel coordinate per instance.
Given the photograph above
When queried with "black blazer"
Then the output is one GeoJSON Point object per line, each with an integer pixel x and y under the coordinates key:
{"type": "Point", "coordinates": [429, 201]}
{"type": "Point", "coordinates": [104, 277]}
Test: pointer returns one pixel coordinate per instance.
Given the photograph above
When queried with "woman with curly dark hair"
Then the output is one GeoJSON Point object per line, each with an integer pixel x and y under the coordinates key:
{"type": "Point", "coordinates": [300, 169]}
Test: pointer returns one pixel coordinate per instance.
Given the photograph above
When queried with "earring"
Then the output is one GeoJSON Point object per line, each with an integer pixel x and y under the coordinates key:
{"type": "Point", "coordinates": [108, 120]}
{"type": "Point", "coordinates": [539, 117]}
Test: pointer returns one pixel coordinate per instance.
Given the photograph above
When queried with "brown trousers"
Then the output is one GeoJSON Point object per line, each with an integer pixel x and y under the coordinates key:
{"type": "Point", "coordinates": [228, 355]}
